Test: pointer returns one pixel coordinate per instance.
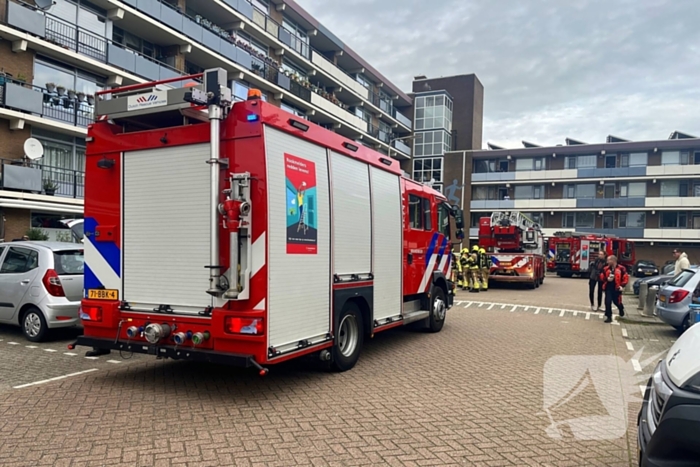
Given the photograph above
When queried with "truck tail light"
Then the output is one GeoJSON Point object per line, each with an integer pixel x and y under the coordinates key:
{"type": "Point", "coordinates": [52, 283]}
{"type": "Point", "coordinates": [234, 325]}
{"type": "Point", "coordinates": [677, 296]}
{"type": "Point", "coordinates": [91, 313]}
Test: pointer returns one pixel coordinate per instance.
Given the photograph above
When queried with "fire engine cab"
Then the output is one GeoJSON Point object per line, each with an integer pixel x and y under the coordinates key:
{"type": "Point", "coordinates": [243, 234]}
{"type": "Point", "coordinates": [516, 244]}
{"type": "Point", "coordinates": [572, 253]}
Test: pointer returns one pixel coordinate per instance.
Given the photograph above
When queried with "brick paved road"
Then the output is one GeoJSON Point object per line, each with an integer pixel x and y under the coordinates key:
{"type": "Point", "coordinates": [471, 395]}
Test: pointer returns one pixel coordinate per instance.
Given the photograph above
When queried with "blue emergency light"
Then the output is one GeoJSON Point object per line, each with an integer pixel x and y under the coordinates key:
{"type": "Point", "coordinates": [252, 118]}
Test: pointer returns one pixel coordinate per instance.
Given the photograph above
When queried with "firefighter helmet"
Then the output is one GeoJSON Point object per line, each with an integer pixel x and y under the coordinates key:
{"type": "Point", "coordinates": [475, 248]}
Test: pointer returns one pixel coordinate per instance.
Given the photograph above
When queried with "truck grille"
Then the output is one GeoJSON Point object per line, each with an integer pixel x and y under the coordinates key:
{"type": "Point", "coordinates": [657, 405]}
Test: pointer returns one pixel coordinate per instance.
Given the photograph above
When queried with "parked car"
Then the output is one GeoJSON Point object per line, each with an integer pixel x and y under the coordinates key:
{"type": "Point", "coordinates": [673, 302]}
{"type": "Point", "coordinates": [645, 268]}
{"type": "Point", "coordinates": [668, 424]}
{"type": "Point", "coordinates": [660, 280]}
{"type": "Point", "coordinates": [41, 285]}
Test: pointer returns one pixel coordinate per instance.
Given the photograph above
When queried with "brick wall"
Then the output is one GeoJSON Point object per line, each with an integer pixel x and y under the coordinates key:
{"type": "Point", "coordinates": [653, 189]}
{"type": "Point", "coordinates": [16, 223]}
{"type": "Point", "coordinates": [556, 163]}
{"type": "Point", "coordinates": [12, 146]}
{"type": "Point", "coordinates": [16, 64]}
{"type": "Point", "coordinates": [654, 158]}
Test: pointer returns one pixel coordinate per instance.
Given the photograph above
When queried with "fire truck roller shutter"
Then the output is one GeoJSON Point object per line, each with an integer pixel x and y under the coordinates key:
{"type": "Point", "coordinates": [352, 217]}
{"type": "Point", "coordinates": [165, 259]}
{"type": "Point", "coordinates": [387, 235]}
{"type": "Point", "coordinates": [299, 267]}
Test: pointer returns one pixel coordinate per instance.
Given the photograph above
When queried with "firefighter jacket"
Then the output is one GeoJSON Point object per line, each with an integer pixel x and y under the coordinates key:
{"type": "Point", "coordinates": [477, 258]}
{"type": "Point", "coordinates": [621, 278]}
{"type": "Point", "coordinates": [464, 259]}
{"type": "Point", "coordinates": [474, 261]}
{"type": "Point", "coordinates": [485, 259]}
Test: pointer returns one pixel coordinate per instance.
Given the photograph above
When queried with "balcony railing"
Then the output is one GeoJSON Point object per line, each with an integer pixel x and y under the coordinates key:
{"type": "Point", "coordinates": [380, 134]}
{"type": "Point", "coordinates": [76, 38]}
{"type": "Point", "coordinates": [279, 32]}
{"type": "Point", "coordinates": [75, 108]}
{"type": "Point", "coordinates": [402, 119]}
{"type": "Point", "coordinates": [35, 177]}
{"type": "Point", "coordinates": [403, 147]}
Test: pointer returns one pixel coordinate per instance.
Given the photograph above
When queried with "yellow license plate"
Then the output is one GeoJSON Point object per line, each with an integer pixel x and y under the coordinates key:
{"type": "Point", "coordinates": [662, 298]}
{"type": "Point", "coordinates": [103, 294]}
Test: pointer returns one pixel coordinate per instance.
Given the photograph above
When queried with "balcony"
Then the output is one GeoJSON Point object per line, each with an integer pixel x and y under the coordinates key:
{"type": "Point", "coordinates": [610, 203]}
{"type": "Point", "coordinates": [339, 75]}
{"type": "Point", "coordinates": [402, 119]}
{"type": "Point", "coordinates": [33, 177]}
{"type": "Point", "coordinates": [493, 177]}
{"type": "Point", "coordinates": [338, 112]}
{"type": "Point", "coordinates": [632, 232]}
{"type": "Point", "coordinates": [546, 174]}
{"type": "Point", "coordinates": [403, 147]}
{"type": "Point", "coordinates": [493, 204]}
{"type": "Point", "coordinates": [380, 134]}
{"type": "Point", "coordinates": [56, 104]}
{"type": "Point", "coordinates": [660, 170]}
{"type": "Point", "coordinates": [672, 234]}
{"type": "Point", "coordinates": [558, 204]}
{"type": "Point", "coordinates": [672, 202]}
{"type": "Point", "coordinates": [612, 172]}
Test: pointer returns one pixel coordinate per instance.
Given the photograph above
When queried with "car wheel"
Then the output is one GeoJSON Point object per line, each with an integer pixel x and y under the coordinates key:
{"type": "Point", "coordinates": [438, 310]}
{"type": "Point", "coordinates": [686, 324]}
{"type": "Point", "coordinates": [34, 325]}
{"type": "Point", "coordinates": [349, 338]}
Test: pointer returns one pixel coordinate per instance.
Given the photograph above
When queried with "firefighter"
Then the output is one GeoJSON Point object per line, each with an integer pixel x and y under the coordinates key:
{"type": "Point", "coordinates": [464, 269]}
{"type": "Point", "coordinates": [474, 269]}
{"type": "Point", "coordinates": [454, 277]}
{"type": "Point", "coordinates": [485, 268]}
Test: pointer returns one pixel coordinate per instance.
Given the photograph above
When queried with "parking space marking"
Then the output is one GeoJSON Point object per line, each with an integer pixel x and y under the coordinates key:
{"type": "Point", "coordinates": [588, 316]}
{"type": "Point", "coordinates": [575, 313]}
{"type": "Point", "coordinates": [643, 389]}
{"type": "Point", "coordinates": [13, 343]}
{"type": "Point", "coordinates": [562, 313]}
{"type": "Point", "coordinates": [635, 364]}
{"type": "Point", "coordinates": [70, 354]}
{"type": "Point", "coordinates": [513, 309]}
{"type": "Point", "coordinates": [537, 311]}
{"type": "Point", "coordinates": [503, 307]}
{"type": "Point", "coordinates": [50, 350]}
{"type": "Point", "coordinates": [624, 332]}
{"type": "Point", "coordinates": [31, 346]}
{"type": "Point", "coordinates": [630, 347]}
{"type": "Point", "coordinates": [54, 379]}
{"type": "Point", "coordinates": [491, 306]}
{"type": "Point", "coordinates": [92, 358]}
{"type": "Point", "coordinates": [113, 361]}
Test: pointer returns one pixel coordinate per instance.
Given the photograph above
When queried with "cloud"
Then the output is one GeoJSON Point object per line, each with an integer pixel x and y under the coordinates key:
{"type": "Point", "coordinates": [550, 70]}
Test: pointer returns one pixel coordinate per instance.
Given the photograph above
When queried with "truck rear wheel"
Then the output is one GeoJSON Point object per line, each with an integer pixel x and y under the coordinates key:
{"type": "Point", "coordinates": [349, 338]}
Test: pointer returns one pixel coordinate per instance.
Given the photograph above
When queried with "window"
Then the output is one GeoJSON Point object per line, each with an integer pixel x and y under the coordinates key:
{"type": "Point", "coordinates": [363, 81]}
{"type": "Point", "coordinates": [444, 219]}
{"type": "Point", "coordinates": [425, 169]}
{"type": "Point", "coordinates": [609, 190]}
{"type": "Point", "coordinates": [262, 5]}
{"type": "Point", "coordinates": [670, 187]}
{"type": "Point", "coordinates": [419, 213]}
{"type": "Point", "coordinates": [579, 219]}
{"type": "Point", "coordinates": [536, 217]}
{"type": "Point", "coordinates": [432, 143]}
{"type": "Point", "coordinates": [19, 260]}
{"type": "Point", "coordinates": [433, 112]}
{"type": "Point", "coordinates": [63, 161]}
{"type": "Point", "coordinates": [484, 166]}
{"type": "Point", "coordinates": [636, 159]}
{"type": "Point", "coordinates": [300, 40]}
{"type": "Point", "coordinates": [632, 220]}
{"type": "Point", "coordinates": [682, 278]}
{"type": "Point", "coordinates": [293, 110]}
{"type": "Point", "coordinates": [585, 190]}
{"type": "Point", "coordinates": [674, 158]}
{"type": "Point", "coordinates": [581, 162]}
{"type": "Point", "coordinates": [529, 164]}
{"type": "Point", "coordinates": [69, 262]}
{"type": "Point", "coordinates": [133, 42]}
{"type": "Point", "coordinates": [240, 91]}
{"type": "Point", "coordinates": [673, 219]}
{"type": "Point", "coordinates": [633, 190]}
{"type": "Point", "coordinates": [529, 192]}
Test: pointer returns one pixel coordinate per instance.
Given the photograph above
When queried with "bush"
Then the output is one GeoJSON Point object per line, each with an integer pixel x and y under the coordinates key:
{"type": "Point", "coordinates": [37, 234]}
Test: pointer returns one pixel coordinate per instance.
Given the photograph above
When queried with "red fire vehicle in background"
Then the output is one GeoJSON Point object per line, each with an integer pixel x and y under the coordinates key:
{"type": "Point", "coordinates": [243, 234]}
{"type": "Point", "coordinates": [516, 246]}
{"type": "Point", "coordinates": [571, 253]}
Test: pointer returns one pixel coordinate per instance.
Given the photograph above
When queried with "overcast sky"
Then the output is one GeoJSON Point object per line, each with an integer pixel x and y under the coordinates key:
{"type": "Point", "coordinates": [551, 69]}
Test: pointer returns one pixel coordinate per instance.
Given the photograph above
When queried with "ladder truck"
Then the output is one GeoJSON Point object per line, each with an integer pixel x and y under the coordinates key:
{"type": "Point", "coordinates": [239, 233]}
{"type": "Point", "coordinates": [516, 247]}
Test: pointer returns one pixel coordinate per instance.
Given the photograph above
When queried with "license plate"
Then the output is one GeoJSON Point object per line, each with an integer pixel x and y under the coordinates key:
{"type": "Point", "coordinates": [648, 273]}
{"type": "Point", "coordinates": [103, 294]}
{"type": "Point", "coordinates": [662, 298]}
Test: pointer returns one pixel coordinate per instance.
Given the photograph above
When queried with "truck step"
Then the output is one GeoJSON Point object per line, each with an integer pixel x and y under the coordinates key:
{"type": "Point", "coordinates": [414, 316]}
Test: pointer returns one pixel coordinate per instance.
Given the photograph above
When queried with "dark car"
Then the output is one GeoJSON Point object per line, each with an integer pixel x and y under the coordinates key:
{"type": "Point", "coordinates": [645, 268]}
{"type": "Point", "coordinates": [665, 276]}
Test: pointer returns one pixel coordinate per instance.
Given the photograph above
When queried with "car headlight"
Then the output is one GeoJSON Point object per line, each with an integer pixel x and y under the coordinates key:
{"type": "Point", "coordinates": [639, 270]}
{"type": "Point", "coordinates": [693, 384]}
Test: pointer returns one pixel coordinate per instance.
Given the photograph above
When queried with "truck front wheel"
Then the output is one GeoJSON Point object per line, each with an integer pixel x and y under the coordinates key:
{"type": "Point", "coordinates": [349, 338]}
{"type": "Point", "coordinates": [438, 310]}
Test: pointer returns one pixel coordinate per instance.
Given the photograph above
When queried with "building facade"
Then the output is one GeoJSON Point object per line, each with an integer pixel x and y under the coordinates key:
{"type": "Point", "coordinates": [648, 191]}
{"type": "Point", "coordinates": [53, 62]}
{"type": "Point", "coordinates": [448, 116]}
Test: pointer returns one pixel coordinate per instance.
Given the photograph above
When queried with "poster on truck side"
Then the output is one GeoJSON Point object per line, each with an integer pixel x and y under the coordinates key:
{"type": "Point", "coordinates": [302, 221]}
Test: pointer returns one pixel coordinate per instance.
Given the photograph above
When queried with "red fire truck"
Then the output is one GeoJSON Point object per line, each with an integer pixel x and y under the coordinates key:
{"type": "Point", "coordinates": [571, 253]}
{"type": "Point", "coordinates": [245, 235]}
{"type": "Point", "coordinates": [516, 246]}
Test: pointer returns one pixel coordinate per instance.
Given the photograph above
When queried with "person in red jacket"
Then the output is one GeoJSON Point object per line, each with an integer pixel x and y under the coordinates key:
{"type": "Point", "coordinates": [614, 278]}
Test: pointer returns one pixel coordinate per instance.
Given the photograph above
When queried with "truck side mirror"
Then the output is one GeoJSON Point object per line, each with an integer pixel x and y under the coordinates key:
{"type": "Point", "coordinates": [460, 234]}
{"type": "Point", "coordinates": [459, 218]}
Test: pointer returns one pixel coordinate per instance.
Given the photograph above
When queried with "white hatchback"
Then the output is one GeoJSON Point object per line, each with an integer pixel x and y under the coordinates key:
{"type": "Point", "coordinates": [41, 286]}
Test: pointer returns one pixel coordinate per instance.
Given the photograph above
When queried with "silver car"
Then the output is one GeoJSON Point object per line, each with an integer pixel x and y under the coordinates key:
{"type": "Point", "coordinates": [674, 299]}
{"type": "Point", "coordinates": [41, 285]}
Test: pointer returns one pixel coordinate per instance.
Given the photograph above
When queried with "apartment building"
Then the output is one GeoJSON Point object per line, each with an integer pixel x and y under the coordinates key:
{"type": "Point", "coordinates": [648, 191]}
{"type": "Point", "coordinates": [447, 116]}
{"type": "Point", "coordinates": [54, 60]}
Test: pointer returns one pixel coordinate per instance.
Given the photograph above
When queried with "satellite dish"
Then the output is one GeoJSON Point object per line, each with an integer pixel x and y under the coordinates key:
{"type": "Point", "coordinates": [33, 148]}
{"type": "Point", "coordinates": [44, 4]}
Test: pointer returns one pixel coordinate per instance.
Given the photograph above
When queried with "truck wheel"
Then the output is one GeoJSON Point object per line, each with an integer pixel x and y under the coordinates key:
{"type": "Point", "coordinates": [438, 310]}
{"type": "Point", "coordinates": [34, 325]}
{"type": "Point", "coordinates": [349, 338]}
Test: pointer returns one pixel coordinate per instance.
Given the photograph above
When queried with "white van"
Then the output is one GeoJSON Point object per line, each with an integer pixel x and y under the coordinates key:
{"type": "Point", "coordinates": [669, 421]}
